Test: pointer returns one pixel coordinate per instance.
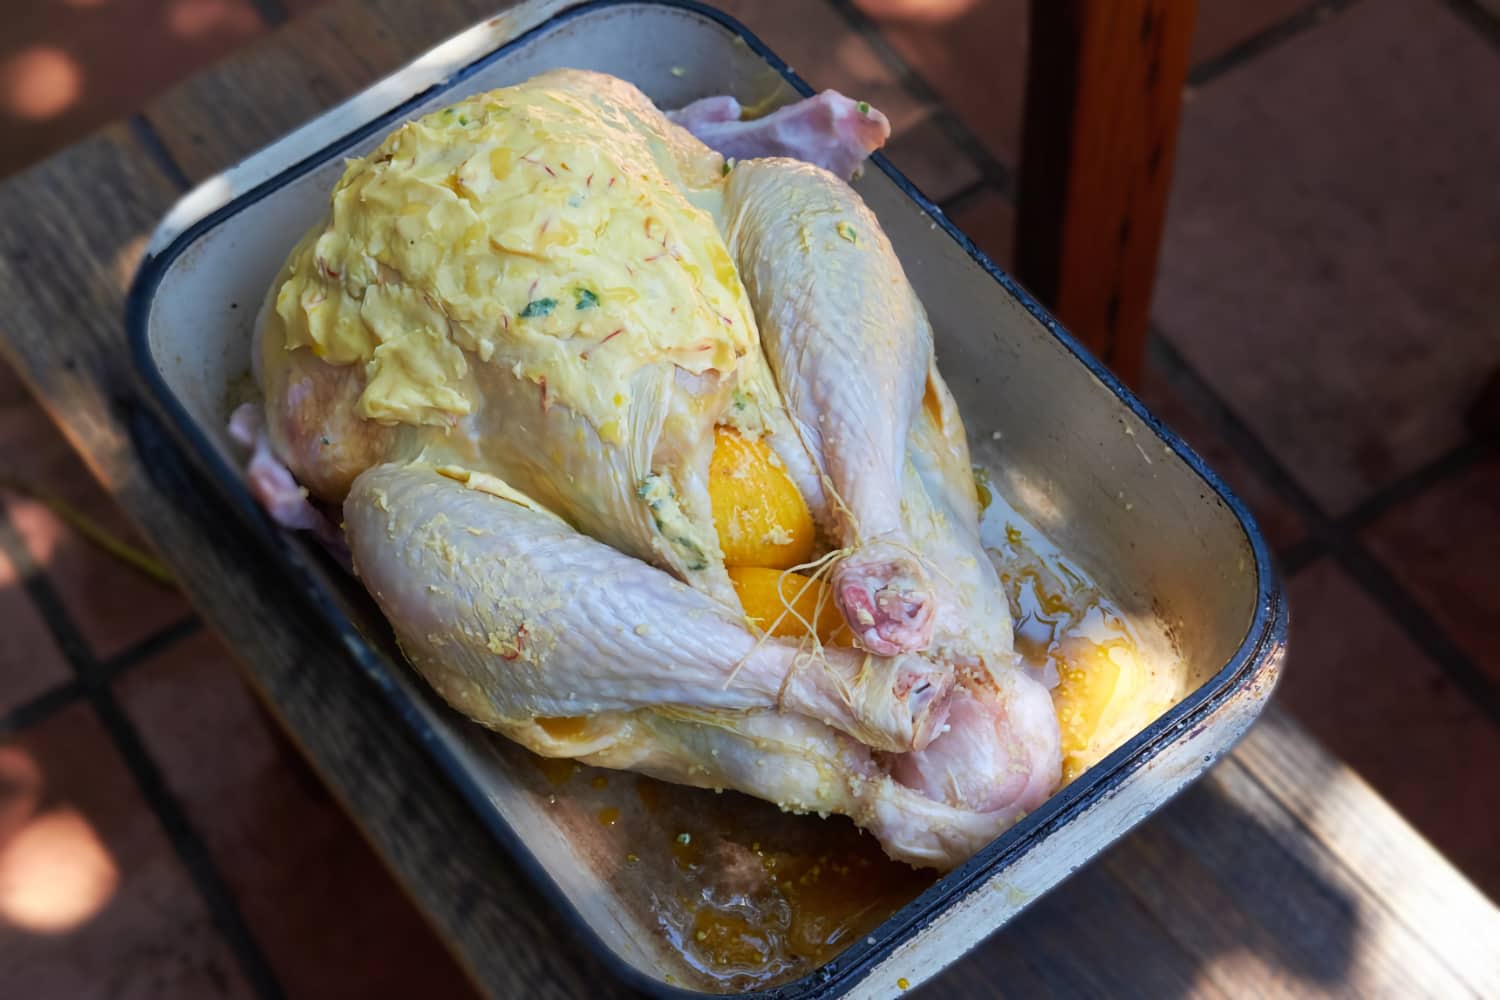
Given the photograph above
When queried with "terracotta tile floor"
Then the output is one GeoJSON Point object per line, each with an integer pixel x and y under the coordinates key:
{"type": "Point", "coordinates": [1325, 314]}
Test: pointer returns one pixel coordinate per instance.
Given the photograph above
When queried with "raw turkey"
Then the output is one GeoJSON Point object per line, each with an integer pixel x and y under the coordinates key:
{"type": "Point", "coordinates": [642, 449]}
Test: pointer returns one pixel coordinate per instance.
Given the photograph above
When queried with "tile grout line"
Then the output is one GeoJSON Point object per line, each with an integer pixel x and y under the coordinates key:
{"type": "Point", "coordinates": [1409, 487]}
{"type": "Point", "coordinates": [150, 141]}
{"type": "Point", "coordinates": [194, 854]}
{"type": "Point", "coordinates": [271, 12]}
{"type": "Point", "coordinates": [993, 171]}
{"type": "Point", "coordinates": [1208, 404]}
{"type": "Point", "coordinates": [188, 846]}
{"type": "Point", "coordinates": [160, 641]}
{"type": "Point", "coordinates": [1334, 537]}
{"type": "Point", "coordinates": [1266, 40]}
{"type": "Point", "coordinates": [40, 708]}
{"type": "Point", "coordinates": [1301, 554]}
{"type": "Point", "coordinates": [1478, 17]}
{"type": "Point", "coordinates": [1002, 176]}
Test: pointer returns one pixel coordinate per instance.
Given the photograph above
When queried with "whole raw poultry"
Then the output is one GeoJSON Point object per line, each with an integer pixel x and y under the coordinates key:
{"type": "Point", "coordinates": [604, 410]}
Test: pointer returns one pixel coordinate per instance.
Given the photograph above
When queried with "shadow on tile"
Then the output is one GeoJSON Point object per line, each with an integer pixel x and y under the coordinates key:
{"type": "Point", "coordinates": [112, 603]}
{"type": "Point", "coordinates": [93, 900]}
{"type": "Point", "coordinates": [1329, 255]}
{"type": "Point", "coordinates": [330, 918]}
{"type": "Point", "coordinates": [1444, 546]}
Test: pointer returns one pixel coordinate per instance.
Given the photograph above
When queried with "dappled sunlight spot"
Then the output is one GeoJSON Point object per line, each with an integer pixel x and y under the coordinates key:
{"type": "Point", "coordinates": [195, 19]}
{"type": "Point", "coordinates": [20, 778]}
{"type": "Point", "coordinates": [42, 531]}
{"type": "Point", "coordinates": [1243, 966]}
{"type": "Point", "coordinates": [39, 82]}
{"type": "Point", "coordinates": [128, 259]}
{"type": "Point", "coordinates": [920, 11]}
{"type": "Point", "coordinates": [55, 873]}
{"type": "Point", "coordinates": [1342, 792]}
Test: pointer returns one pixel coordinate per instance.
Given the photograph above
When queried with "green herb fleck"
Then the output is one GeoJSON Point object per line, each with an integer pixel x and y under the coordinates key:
{"type": "Point", "coordinates": [728, 166]}
{"type": "Point", "coordinates": [847, 232]}
{"type": "Point", "coordinates": [739, 401]}
{"type": "Point", "coordinates": [864, 107]}
{"type": "Point", "coordinates": [586, 300]}
{"type": "Point", "coordinates": [537, 308]}
{"type": "Point", "coordinates": [463, 119]}
{"type": "Point", "coordinates": [661, 500]}
{"type": "Point", "coordinates": [982, 488]}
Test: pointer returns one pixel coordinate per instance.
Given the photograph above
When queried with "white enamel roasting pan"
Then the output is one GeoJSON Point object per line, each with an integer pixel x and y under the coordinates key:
{"type": "Point", "coordinates": [1079, 457]}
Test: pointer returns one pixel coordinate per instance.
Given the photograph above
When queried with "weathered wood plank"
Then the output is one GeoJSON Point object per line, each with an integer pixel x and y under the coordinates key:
{"type": "Point", "coordinates": [1102, 96]}
{"type": "Point", "coordinates": [1089, 938]}
{"type": "Point", "coordinates": [1187, 897]}
{"type": "Point", "coordinates": [256, 96]}
{"type": "Point", "coordinates": [220, 116]}
{"type": "Point", "coordinates": [73, 226]}
{"type": "Point", "coordinates": [1408, 877]}
{"type": "Point", "coordinates": [1231, 891]}
{"type": "Point", "coordinates": [1326, 920]}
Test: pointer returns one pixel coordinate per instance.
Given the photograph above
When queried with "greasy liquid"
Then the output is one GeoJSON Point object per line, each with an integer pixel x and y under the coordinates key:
{"type": "Point", "coordinates": [744, 894]}
{"type": "Point", "coordinates": [791, 908]}
{"type": "Point", "coordinates": [748, 896]}
{"type": "Point", "coordinates": [1111, 672]}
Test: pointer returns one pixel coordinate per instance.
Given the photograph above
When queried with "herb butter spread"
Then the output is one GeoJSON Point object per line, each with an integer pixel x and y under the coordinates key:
{"type": "Point", "coordinates": [558, 228]}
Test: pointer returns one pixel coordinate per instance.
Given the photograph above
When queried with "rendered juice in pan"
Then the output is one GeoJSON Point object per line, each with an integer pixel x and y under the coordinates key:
{"type": "Point", "coordinates": [748, 896]}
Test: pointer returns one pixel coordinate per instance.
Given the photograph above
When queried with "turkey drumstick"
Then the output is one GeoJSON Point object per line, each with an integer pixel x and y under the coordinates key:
{"type": "Point", "coordinates": [497, 595]}
{"type": "Point", "coordinates": [850, 348]}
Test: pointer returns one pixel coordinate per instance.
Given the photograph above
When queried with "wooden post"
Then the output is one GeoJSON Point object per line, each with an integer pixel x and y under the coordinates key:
{"type": "Point", "coordinates": [1103, 90]}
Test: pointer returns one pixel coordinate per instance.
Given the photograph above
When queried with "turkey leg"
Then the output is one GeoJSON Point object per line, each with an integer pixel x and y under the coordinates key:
{"type": "Point", "coordinates": [547, 622]}
{"type": "Point", "coordinates": [850, 347]}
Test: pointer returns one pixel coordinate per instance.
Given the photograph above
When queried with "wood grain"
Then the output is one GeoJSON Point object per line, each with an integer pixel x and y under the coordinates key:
{"type": "Point", "coordinates": [263, 91]}
{"type": "Point", "coordinates": [1104, 83]}
{"type": "Point", "coordinates": [1402, 873]}
{"type": "Point", "coordinates": [1268, 878]}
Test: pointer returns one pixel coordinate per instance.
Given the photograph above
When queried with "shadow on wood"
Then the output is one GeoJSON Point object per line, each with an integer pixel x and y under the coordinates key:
{"type": "Point", "coordinates": [1209, 896]}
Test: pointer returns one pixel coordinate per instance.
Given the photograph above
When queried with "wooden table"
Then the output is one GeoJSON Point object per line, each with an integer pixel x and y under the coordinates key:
{"type": "Point", "coordinates": [1280, 873]}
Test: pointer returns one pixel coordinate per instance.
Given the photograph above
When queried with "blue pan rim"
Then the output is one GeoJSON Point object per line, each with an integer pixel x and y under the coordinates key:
{"type": "Point", "coordinates": [1264, 641]}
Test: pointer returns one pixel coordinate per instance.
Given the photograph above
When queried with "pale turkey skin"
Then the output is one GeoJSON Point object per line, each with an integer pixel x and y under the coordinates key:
{"type": "Point", "coordinates": [550, 623]}
{"type": "Point", "coordinates": [850, 348]}
{"type": "Point", "coordinates": [598, 537]}
{"type": "Point", "coordinates": [531, 620]}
